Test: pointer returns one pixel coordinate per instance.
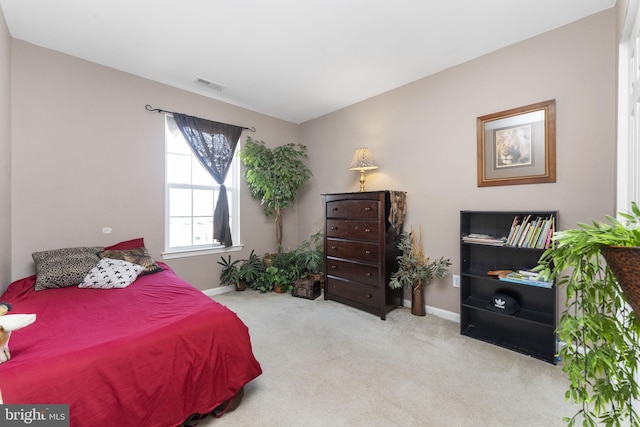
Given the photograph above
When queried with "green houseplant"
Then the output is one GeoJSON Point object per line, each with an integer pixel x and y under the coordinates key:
{"type": "Point", "coordinates": [415, 271]}
{"type": "Point", "coordinates": [263, 282]}
{"type": "Point", "coordinates": [284, 271]}
{"type": "Point", "coordinates": [598, 328]}
{"type": "Point", "coordinates": [251, 268]}
{"type": "Point", "coordinates": [309, 255]}
{"type": "Point", "coordinates": [279, 278]}
{"type": "Point", "coordinates": [229, 275]}
{"type": "Point", "coordinates": [274, 177]}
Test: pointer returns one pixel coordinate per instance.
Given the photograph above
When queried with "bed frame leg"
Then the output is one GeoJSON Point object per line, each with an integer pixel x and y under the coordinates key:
{"type": "Point", "coordinates": [229, 405]}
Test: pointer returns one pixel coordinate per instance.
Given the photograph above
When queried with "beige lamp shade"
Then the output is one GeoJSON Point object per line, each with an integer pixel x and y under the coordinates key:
{"type": "Point", "coordinates": [362, 161]}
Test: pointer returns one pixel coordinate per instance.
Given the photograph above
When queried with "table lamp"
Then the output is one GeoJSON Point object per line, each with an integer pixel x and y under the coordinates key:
{"type": "Point", "coordinates": [362, 161]}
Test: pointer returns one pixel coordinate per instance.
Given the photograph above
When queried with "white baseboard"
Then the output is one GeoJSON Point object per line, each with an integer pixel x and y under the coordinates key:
{"type": "Point", "coordinates": [445, 314]}
{"type": "Point", "coordinates": [217, 291]}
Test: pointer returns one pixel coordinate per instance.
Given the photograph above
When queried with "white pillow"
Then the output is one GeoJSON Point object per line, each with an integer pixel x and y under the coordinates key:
{"type": "Point", "coordinates": [112, 273]}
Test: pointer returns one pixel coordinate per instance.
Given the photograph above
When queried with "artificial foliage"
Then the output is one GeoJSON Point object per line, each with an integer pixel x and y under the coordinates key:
{"type": "Point", "coordinates": [414, 268]}
{"type": "Point", "coordinates": [597, 328]}
{"type": "Point", "coordinates": [274, 177]}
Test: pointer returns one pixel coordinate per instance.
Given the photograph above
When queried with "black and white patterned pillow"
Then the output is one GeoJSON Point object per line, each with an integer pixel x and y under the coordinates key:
{"type": "Point", "coordinates": [111, 273]}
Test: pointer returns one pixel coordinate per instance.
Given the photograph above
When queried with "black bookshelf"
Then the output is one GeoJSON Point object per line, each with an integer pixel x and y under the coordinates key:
{"type": "Point", "coordinates": [531, 330]}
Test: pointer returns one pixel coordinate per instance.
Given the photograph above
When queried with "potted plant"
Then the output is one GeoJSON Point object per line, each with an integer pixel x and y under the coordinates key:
{"type": "Point", "coordinates": [415, 271]}
{"type": "Point", "coordinates": [309, 255]}
{"type": "Point", "coordinates": [229, 275]}
{"type": "Point", "coordinates": [250, 269]}
{"type": "Point", "coordinates": [599, 330]}
{"type": "Point", "coordinates": [277, 278]}
{"type": "Point", "coordinates": [263, 282]}
{"type": "Point", "coordinates": [284, 271]}
{"type": "Point", "coordinates": [274, 177]}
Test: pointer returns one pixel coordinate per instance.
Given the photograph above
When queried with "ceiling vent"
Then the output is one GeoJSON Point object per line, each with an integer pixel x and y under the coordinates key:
{"type": "Point", "coordinates": [210, 84]}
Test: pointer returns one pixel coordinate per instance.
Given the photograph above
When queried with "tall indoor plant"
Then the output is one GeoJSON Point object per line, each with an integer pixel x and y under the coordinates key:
{"type": "Point", "coordinates": [415, 271]}
{"type": "Point", "coordinates": [274, 176]}
{"type": "Point", "coordinates": [599, 330]}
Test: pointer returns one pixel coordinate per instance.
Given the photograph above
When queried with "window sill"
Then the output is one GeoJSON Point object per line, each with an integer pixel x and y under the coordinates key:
{"type": "Point", "coordinates": [198, 252]}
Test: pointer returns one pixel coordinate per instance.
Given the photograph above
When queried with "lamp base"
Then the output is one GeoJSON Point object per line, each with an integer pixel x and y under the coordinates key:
{"type": "Point", "coordinates": [361, 180]}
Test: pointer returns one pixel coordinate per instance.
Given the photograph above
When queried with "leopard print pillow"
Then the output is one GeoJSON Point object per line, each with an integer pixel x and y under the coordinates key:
{"type": "Point", "coordinates": [137, 256]}
{"type": "Point", "coordinates": [60, 268]}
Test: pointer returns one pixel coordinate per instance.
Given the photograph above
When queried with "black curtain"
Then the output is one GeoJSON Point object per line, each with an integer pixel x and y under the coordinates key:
{"type": "Point", "coordinates": [213, 144]}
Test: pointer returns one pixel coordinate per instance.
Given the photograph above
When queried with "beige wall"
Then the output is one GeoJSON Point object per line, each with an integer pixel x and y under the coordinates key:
{"type": "Point", "coordinates": [424, 138]}
{"type": "Point", "coordinates": [86, 154]}
{"type": "Point", "coordinates": [5, 158]}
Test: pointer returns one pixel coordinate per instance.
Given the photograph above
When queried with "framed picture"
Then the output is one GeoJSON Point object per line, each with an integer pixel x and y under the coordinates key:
{"type": "Point", "coordinates": [518, 146]}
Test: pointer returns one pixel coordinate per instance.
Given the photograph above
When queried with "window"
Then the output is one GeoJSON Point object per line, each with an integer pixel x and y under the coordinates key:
{"type": "Point", "coordinates": [191, 195]}
{"type": "Point", "coordinates": [628, 165]}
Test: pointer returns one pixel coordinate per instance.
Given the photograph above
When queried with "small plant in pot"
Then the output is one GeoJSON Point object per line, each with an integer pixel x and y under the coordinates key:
{"type": "Point", "coordinates": [283, 271]}
{"type": "Point", "coordinates": [309, 255]}
{"type": "Point", "coordinates": [251, 269]}
{"type": "Point", "coordinates": [598, 328]}
{"type": "Point", "coordinates": [229, 275]}
{"type": "Point", "coordinates": [263, 282]}
{"type": "Point", "coordinates": [415, 271]}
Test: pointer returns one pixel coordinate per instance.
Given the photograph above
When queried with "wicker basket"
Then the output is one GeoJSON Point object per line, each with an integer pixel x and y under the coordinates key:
{"type": "Point", "coordinates": [624, 262]}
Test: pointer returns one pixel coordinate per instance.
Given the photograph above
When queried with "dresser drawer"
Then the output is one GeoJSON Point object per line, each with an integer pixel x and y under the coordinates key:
{"type": "Point", "coordinates": [360, 251]}
{"type": "Point", "coordinates": [362, 273]}
{"type": "Point", "coordinates": [354, 209]}
{"type": "Point", "coordinates": [350, 229]}
{"type": "Point", "coordinates": [353, 291]}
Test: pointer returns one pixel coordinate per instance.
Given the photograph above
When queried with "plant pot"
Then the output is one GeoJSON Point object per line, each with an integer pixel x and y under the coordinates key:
{"type": "Point", "coordinates": [624, 262]}
{"type": "Point", "coordinates": [316, 277]}
{"type": "Point", "coordinates": [241, 285]}
{"type": "Point", "coordinates": [417, 301]}
{"type": "Point", "coordinates": [267, 259]}
{"type": "Point", "coordinates": [279, 289]}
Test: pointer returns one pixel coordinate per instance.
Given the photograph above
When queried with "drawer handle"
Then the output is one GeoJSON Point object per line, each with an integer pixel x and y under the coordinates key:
{"type": "Point", "coordinates": [367, 252]}
{"type": "Point", "coordinates": [367, 209]}
{"type": "Point", "coordinates": [334, 228]}
{"type": "Point", "coordinates": [367, 274]}
{"type": "Point", "coordinates": [335, 209]}
{"type": "Point", "coordinates": [367, 230]}
{"type": "Point", "coordinates": [333, 267]}
{"type": "Point", "coordinates": [369, 296]}
{"type": "Point", "coordinates": [335, 248]}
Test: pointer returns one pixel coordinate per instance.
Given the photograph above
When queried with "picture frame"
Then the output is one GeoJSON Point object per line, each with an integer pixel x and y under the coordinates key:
{"type": "Point", "coordinates": [518, 146]}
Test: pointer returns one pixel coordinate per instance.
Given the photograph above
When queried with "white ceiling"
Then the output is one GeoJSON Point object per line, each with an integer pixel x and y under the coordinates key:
{"type": "Point", "coordinates": [290, 59]}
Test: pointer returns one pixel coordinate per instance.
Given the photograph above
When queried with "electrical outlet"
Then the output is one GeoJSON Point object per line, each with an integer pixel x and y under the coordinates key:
{"type": "Point", "coordinates": [456, 281]}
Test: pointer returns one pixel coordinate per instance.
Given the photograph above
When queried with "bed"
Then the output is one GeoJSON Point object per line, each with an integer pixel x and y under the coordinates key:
{"type": "Point", "coordinates": [152, 353]}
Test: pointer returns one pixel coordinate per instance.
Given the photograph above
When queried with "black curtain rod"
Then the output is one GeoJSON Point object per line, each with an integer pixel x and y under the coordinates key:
{"type": "Point", "coordinates": [158, 110]}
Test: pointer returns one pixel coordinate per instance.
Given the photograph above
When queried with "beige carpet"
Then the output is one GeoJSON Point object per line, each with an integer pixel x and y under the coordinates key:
{"type": "Point", "coordinates": [327, 364]}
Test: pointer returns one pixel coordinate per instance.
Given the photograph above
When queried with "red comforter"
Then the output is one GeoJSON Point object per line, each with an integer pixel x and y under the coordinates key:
{"type": "Point", "coordinates": [150, 354]}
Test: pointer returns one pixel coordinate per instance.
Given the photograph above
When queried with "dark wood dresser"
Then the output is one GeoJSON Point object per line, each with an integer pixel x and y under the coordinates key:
{"type": "Point", "coordinates": [362, 231]}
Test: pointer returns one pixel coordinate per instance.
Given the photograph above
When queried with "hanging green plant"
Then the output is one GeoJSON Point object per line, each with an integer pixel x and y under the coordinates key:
{"type": "Point", "coordinates": [598, 328]}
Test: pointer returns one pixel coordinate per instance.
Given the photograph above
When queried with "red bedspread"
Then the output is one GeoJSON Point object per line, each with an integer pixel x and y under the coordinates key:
{"type": "Point", "coordinates": [150, 354]}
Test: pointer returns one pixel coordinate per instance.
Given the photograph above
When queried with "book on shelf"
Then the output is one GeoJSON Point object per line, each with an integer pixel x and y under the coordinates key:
{"type": "Point", "coordinates": [526, 277]}
{"type": "Point", "coordinates": [531, 232]}
{"type": "Point", "coordinates": [484, 239]}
